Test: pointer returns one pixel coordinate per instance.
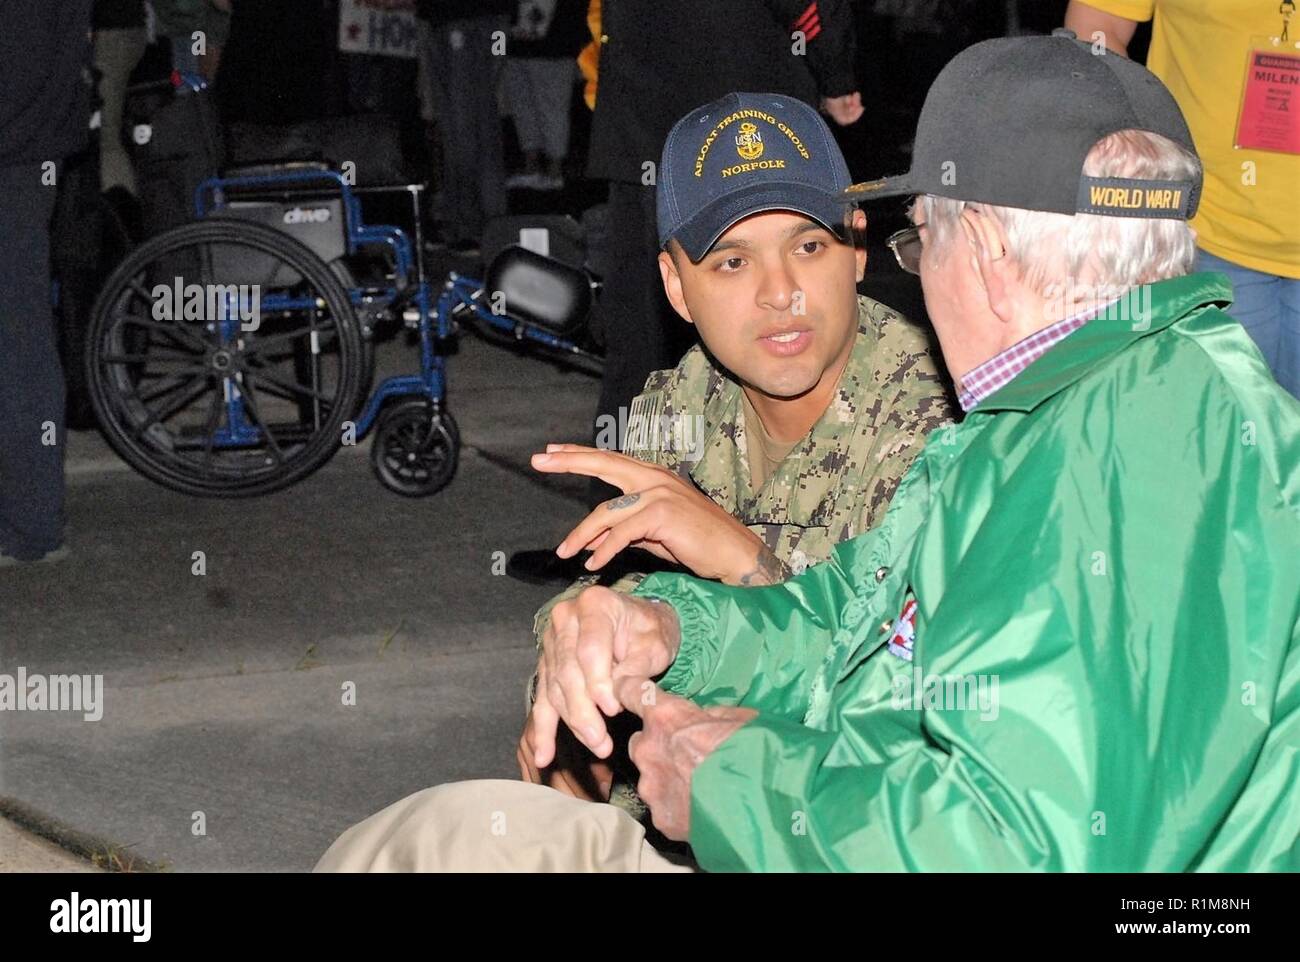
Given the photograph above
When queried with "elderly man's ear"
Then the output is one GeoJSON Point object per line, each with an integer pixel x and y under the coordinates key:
{"type": "Point", "coordinates": [998, 273]}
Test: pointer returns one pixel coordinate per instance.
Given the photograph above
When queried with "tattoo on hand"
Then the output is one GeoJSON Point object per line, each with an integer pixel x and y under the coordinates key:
{"type": "Point", "coordinates": [626, 501]}
{"type": "Point", "coordinates": [768, 570]}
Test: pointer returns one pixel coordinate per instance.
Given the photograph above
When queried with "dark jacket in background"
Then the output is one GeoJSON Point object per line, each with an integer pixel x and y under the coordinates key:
{"type": "Point", "coordinates": [566, 35]}
{"type": "Point", "coordinates": [280, 62]}
{"type": "Point", "coordinates": [663, 58]}
{"type": "Point", "coordinates": [119, 15]}
{"type": "Point", "coordinates": [44, 79]}
{"type": "Point", "coordinates": [438, 12]}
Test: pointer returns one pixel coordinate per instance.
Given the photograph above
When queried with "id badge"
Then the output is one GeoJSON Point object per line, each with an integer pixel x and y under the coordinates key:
{"type": "Point", "coordinates": [1269, 117]}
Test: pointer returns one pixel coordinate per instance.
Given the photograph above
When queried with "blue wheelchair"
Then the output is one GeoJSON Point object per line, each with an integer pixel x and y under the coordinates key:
{"type": "Point", "coordinates": [232, 356]}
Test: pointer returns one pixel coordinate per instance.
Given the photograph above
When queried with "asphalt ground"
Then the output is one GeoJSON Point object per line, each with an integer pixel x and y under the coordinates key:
{"type": "Point", "coordinates": [344, 646]}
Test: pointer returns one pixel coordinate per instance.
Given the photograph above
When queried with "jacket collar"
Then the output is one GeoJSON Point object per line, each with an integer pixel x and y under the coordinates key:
{"type": "Point", "coordinates": [1106, 335]}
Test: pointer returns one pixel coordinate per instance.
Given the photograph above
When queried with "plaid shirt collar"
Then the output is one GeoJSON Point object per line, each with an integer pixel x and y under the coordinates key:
{"type": "Point", "coordinates": [983, 381]}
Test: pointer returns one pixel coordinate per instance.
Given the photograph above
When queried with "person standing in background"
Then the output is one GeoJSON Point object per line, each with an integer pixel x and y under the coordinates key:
{"type": "Point", "coordinates": [120, 39]}
{"type": "Point", "coordinates": [1244, 113]}
{"type": "Point", "coordinates": [180, 20]}
{"type": "Point", "coordinates": [540, 74]}
{"type": "Point", "coordinates": [465, 72]}
{"type": "Point", "coordinates": [44, 116]}
{"type": "Point", "coordinates": [658, 60]}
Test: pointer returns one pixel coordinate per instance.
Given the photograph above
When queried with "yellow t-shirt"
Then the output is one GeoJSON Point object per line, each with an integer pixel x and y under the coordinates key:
{"type": "Point", "coordinates": [1199, 48]}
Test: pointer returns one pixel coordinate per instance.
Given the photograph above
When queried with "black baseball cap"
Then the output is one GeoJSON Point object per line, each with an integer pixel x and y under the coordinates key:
{"type": "Point", "coordinates": [1010, 121]}
{"type": "Point", "coordinates": [743, 154]}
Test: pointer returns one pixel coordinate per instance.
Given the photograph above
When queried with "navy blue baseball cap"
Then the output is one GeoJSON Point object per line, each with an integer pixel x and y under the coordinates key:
{"type": "Point", "coordinates": [743, 154]}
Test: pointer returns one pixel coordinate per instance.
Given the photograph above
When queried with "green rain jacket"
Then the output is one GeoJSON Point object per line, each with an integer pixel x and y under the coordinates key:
{"type": "Point", "coordinates": [1104, 673]}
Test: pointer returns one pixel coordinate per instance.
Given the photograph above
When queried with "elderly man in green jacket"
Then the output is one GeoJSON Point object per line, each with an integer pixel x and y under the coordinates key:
{"type": "Point", "coordinates": [1071, 644]}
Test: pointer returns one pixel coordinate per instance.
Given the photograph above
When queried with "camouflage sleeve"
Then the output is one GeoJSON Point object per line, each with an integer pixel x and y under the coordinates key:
{"type": "Point", "coordinates": [658, 420]}
{"type": "Point", "coordinates": [918, 400]}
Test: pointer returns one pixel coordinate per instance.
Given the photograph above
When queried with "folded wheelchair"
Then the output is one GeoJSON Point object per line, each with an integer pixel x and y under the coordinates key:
{"type": "Point", "coordinates": [233, 355]}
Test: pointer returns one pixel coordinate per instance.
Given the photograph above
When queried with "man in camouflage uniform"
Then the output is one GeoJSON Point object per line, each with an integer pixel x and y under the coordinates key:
{"type": "Point", "coordinates": [696, 448]}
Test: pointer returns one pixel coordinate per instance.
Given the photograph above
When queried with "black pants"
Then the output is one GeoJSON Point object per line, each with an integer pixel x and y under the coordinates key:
{"type": "Point", "coordinates": [465, 85]}
{"type": "Point", "coordinates": [31, 379]}
{"type": "Point", "coordinates": [642, 331]}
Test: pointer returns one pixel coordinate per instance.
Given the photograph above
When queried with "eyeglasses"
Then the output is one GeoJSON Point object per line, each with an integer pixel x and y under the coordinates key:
{"type": "Point", "coordinates": [907, 247]}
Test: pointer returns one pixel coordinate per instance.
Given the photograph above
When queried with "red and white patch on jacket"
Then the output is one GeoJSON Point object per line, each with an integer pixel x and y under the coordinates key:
{"type": "Point", "coordinates": [904, 632]}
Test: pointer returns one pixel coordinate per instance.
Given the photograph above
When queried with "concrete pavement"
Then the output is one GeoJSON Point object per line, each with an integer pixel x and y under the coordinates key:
{"type": "Point", "coordinates": [343, 648]}
{"type": "Point", "coordinates": [23, 851]}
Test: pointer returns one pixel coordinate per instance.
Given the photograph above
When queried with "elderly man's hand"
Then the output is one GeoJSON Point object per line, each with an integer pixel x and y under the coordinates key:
{"type": "Point", "coordinates": [592, 640]}
{"type": "Point", "coordinates": [662, 513]}
{"type": "Point", "coordinates": [676, 736]}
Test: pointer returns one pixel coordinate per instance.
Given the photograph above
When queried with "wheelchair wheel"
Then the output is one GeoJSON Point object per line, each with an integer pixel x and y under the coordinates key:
{"type": "Point", "coordinates": [198, 399]}
{"type": "Point", "coordinates": [415, 449]}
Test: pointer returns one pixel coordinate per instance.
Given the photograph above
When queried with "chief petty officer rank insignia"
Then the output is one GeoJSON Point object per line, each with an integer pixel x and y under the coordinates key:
{"type": "Point", "coordinates": [749, 142]}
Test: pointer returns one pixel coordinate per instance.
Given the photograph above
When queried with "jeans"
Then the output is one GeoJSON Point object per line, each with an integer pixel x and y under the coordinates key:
{"type": "Point", "coordinates": [539, 90]}
{"type": "Point", "coordinates": [1268, 307]}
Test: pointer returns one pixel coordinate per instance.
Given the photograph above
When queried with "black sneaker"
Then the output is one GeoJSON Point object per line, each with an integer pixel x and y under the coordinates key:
{"type": "Point", "coordinates": [543, 567]}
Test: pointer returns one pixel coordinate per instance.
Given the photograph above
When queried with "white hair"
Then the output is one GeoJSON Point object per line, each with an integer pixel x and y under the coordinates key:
{"type": "Point", "coordinates": [1107, 253]}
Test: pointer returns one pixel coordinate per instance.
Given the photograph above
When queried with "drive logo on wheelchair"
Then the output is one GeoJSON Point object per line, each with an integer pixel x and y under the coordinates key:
{"type": "Point", "coordinates": [208, 302]}
{"type": "Point", "coordinates": [303, 215]}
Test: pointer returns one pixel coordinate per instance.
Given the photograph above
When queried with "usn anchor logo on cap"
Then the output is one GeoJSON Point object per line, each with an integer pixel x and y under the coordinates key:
{"type": "Point", "coordinates": [749, 142]}
{"type": "Point", "coordinates": [743, 154]}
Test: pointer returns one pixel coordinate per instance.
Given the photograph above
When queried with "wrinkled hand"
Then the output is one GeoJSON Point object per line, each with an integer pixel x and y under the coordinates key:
{"type": "Point", "coordinates": [676, 736]}
{"type": "Point", "coordinates": [593, 640]}
{"type": "Point", "coordinates": [661, 512]}
{"type": "Point", "coordinates": [574, 772]}
{"type": "Point", "coordinates": [843, 110]}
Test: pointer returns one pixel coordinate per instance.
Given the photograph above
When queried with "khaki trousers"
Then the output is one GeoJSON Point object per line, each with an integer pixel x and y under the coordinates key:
{"type": "Point", "coordinates": [494, 825]}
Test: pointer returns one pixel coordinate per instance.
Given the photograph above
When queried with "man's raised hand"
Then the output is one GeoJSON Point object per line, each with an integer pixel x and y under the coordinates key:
{"type": "Point", "coordinates": [664, 514]}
